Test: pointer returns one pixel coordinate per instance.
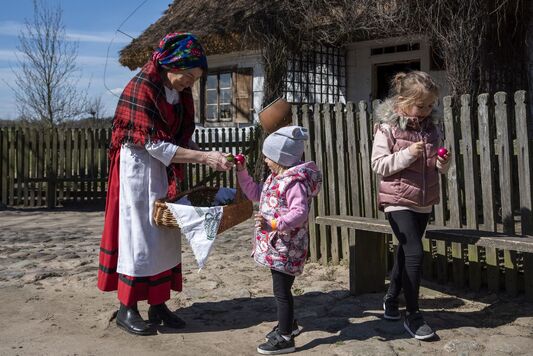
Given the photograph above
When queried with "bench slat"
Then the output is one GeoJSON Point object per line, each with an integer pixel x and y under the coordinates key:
{"type": "Point", "coordinates": [465, 236]}
{"type": "Point", "coordinates": [358, 223]}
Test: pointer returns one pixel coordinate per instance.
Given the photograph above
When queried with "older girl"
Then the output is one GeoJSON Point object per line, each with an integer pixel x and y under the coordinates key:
{"type": "Point", "coordinates": [404, 155]}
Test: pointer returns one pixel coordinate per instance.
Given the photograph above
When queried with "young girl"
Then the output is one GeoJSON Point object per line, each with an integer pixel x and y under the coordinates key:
{"type": "Point", "coordinates": [404, 155]}
{"type": "Point", "coordinates": [281, 237]}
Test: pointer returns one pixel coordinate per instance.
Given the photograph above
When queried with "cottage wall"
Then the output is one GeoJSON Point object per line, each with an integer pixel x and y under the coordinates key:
{"type": "Point", "coordinates": [248, 59]}
{"type": "Point", "coordinates": [361, 65]}
{"type": "Point", "coordinates": [530, 62]}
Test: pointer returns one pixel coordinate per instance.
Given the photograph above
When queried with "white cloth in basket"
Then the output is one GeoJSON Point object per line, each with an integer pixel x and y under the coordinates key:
{"type": "Point", "coordinates": [200, 224]}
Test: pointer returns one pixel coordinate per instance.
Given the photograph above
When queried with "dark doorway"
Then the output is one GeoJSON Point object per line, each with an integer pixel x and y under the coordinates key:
{"type": "Point", "coordinates": [383, 73]}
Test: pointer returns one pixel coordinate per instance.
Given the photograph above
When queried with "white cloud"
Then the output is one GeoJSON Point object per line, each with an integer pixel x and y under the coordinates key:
{"type": "Point", "coordinates": [115, 91]}
{"type": "Point", "coordinates": [12, 28]}
{"type": "Point", "coordinates": [9, 55]}
{"type": "Point", "coordinates": [14, 55]}
{"type": "Point", "coordinates": [7, 75]}
{"type": "Point", "coordinates": [98, 37]}
{"type": "Point", "coordinates": [96, 60]}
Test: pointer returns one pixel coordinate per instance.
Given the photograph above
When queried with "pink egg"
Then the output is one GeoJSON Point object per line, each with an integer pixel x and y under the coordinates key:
{"type": "Point", "coordinates": [442, 152]}
{"type": "Point", "coordinates": [240, 158]}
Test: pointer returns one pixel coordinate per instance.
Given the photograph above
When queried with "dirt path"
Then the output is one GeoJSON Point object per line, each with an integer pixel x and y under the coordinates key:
{"type": "Point", "coordinates": [50, 304]}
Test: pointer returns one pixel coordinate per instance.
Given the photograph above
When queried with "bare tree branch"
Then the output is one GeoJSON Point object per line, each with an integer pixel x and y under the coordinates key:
{"type": "Point", "coordinates": [46, 79]}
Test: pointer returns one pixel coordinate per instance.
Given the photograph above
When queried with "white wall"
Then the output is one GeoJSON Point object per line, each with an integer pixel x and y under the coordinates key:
{"type": "Point", "coordinates": [359, 64]}
{"type": "Point", "coordinates": [530, 61]}
{"type": "Point", "coordinates": [247, 59]}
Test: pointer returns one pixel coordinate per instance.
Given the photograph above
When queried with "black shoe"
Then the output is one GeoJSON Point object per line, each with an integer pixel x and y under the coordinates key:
{"type": "Point", "coordinates": [390, 306]}
{"type": "Point", "coordinates": [129, 319]}
{"type": "Point", "coordinates": [160, 313]}
{"type": "Point", "coordinates": [276, 345]}
{"type": "Point", "coordinates": [296, 330]}
{"type": "Point", "coordinates": [418, 328]}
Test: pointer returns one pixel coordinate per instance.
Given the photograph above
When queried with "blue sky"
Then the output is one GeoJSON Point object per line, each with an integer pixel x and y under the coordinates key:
{"type": "Point", "coordinates": [93, 25]}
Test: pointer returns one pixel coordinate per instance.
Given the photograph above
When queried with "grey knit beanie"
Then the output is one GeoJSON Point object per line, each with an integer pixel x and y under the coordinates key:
{"type": "Point", "coordinates": [286, 145]}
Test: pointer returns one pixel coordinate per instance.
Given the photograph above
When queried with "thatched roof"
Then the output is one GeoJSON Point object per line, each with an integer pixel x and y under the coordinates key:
{"type": "Point", "coordinates": [225, 26]}
{"type": "Point", "coordinates": [220, 26]}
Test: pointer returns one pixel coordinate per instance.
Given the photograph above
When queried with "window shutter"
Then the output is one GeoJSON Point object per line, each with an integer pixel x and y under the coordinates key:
{"type": "Point", "coordinates": [196, 97]}
{"type": "Point", "coordinates": [242, 95]}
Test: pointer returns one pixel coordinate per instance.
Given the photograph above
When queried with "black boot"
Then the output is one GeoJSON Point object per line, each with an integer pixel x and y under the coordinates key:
{"type": "Point", "coordinates": [129, 319]}
{"type": "Point", "coordinates": [160, 313]}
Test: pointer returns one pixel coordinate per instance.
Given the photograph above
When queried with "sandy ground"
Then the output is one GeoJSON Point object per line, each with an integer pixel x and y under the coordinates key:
{"type": "Point", "coordinates": [50, 304]}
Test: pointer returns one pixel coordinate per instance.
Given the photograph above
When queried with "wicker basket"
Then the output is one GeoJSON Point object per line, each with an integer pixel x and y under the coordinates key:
{"type": "Point", "coordinates": [233, 214]}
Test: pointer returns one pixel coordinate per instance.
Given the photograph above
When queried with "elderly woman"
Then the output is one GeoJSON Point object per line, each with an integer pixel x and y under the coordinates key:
{"type": "Point", "coordinates": [152, 130]}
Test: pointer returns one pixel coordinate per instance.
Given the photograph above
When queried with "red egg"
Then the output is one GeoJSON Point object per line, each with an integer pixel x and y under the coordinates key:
{"type": "Point", "coordinates": [442, 152]}
{"type": "Point", "coordinates": [239, 158]}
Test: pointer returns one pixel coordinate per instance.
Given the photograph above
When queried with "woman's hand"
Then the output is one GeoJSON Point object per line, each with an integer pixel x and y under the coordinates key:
{"type": "Point", "coordinates": [417, 148]}
{"type": "Point", "coordinates": [217, 161]}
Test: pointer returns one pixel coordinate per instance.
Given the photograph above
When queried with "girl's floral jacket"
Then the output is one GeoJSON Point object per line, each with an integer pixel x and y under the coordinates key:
{"type": "Point", "coordinates": [286, 198]}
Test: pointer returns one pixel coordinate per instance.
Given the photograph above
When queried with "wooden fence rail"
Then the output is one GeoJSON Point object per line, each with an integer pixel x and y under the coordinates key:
{"type": "Point", "coordinates": [55, 167]}
{"type": "Point", "coordinates": [488, 186]}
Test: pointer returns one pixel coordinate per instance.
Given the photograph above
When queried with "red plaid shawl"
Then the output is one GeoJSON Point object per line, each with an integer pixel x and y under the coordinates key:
{"type": "Point", "coordinates": [143, 115]}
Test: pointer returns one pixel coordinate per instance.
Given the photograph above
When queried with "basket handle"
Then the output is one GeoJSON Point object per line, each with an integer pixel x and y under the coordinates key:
{"type": "Point", "coordinates": [187, 192]}
{"type": "Point", "coordinates": [239, 195]}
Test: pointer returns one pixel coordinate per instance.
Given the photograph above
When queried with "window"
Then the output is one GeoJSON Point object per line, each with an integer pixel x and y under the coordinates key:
{"type": "Point", "coordinates": [317, 76]}
{"type": "Point", "coordinates": [218, 98]}
{"type": "Point", "coordinates": [404, 47]}
{"type": "Point", "coordinates": [224, 97]}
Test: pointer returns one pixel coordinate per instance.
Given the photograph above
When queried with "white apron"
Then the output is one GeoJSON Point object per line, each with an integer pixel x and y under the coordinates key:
{"type": "Point", "coordinates": [144, 248]}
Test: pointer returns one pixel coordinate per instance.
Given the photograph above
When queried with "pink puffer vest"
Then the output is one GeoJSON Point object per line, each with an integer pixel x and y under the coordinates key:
{"type": "Point", "coordinates": [418, 184]}
{"type": "Point", "coordinates": [285, 251]}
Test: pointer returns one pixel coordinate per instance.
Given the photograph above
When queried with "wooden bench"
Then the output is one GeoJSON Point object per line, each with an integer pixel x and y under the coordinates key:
{"type": "Point", "coordinates": [368, 256]}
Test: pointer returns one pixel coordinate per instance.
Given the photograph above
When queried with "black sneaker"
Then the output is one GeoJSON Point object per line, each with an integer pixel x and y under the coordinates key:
{"type": "Point", "coordinates": [296, 330]}
{"type": "Point", "coordinates": [276, 345]}
{"type": "Point", "coordinates": [417, 326]}
{"type": "Point", "coordinates": [390, 306]}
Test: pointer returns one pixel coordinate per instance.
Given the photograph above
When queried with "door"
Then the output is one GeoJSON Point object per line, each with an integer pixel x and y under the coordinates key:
{"type": "Point", "coordinates": [383, 74]}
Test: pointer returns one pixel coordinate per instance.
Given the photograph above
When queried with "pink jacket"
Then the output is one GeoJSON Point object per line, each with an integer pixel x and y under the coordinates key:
{"type": "Point", "coordinates": [405, 179]}
{"type": "Point", "coordinates": [285, 197]}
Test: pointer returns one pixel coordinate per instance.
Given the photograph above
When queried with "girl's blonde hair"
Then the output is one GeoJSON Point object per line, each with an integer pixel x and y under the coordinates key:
{"type": "Point", "coordinates": [409, 87]}
{"type": "Point", "coordinates": [278, 167]}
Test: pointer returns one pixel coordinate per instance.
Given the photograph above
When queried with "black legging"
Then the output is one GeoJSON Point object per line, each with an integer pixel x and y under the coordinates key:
{"type": "Point", "coordinates": [409, 227]}
{"type": "Point", "coordinates": [282, 284]}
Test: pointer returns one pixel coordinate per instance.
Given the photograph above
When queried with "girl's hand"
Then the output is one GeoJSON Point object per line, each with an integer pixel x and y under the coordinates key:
{"type": "Point", "coordinates": [217, 161]}
{"type": "Point", "coordinates": [261, 223]}
{"type": "Point", "coordinates": [240, 166]}
{"type": "Point", "coordinates": [444, 159]}
{"type": "Point", "coordinates": [417, 148]}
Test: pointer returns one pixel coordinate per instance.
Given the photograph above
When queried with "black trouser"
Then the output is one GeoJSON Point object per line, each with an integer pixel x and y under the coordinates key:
{"type": "Point", "coordinates": [282, 284]}
{"type": "Point", "coordinates": [409, 227]}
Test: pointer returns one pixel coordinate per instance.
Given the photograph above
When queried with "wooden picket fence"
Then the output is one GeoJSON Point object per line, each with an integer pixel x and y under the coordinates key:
{"type": "Point", "coordinates": [55, 167]}
{"type": "Point", "coordinates": [488, 186]}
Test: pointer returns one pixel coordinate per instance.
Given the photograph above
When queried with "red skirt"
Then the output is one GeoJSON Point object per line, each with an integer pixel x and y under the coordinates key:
{"type": "Point", "coordinates": [155, 289]}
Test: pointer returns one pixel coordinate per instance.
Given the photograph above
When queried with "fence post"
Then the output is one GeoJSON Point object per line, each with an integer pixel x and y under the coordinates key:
{"type": "Point", "coordinates": [524, 179]}
{"type": "Point", "coordinates": [524, 163]}
{"type": "Point", "coordinates": [325, 245]}
{"type": "Point", "coordinates": [314, 237]}
{"type": "Point", "coordinates": [5, 157]}
{"type": "Point", "coordinates": [50, 174]}
{"type": "Point", "coordinates": [330, 170]}
{"type": "Point", "coordinates": [486, 154]}
{"type": "Point", "coordinates": [343, 187]}
{"type": "Point", "coordinates": [505, 154]}
{"type": "Point", "coordinates": [364, 148]}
